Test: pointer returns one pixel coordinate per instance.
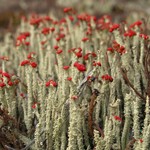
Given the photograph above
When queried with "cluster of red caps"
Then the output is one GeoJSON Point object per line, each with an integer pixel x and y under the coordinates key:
{"type": "Point", "coordinates": [21, 39]}
{"type": "Point", "coordinates": [51, 82]}
{"type": "Point", "coordinates": [107, 77]}
{"type": "Point", "coordinates": [80, 67]}
{"type": "Point", "coordinates": [29, 61]}
{"type": "Point", "coordinates": [9, 81]}
{"type": "Point", "coordinates": [103, 23]}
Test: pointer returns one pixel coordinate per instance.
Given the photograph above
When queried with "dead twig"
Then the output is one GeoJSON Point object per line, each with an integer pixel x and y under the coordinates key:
{"type": "Point", "coordinates": [99, 129]}
{"type": "Point", "coordinates": [125, 77]}
{"type": "Point", "coordinates": [6, 117]}
{"type": "Point", "coordinates": [131, 143]}
{"type": "Point", "coordinates": [91, 109]}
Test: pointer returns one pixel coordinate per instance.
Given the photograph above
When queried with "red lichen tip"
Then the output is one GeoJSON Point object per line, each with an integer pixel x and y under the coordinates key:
{"type": "Point", "coordinates": [78, 54]}
{"type": "Point", "coordinates": [117, 118]}
{"type": "Point", "coordinates": [141, 140]}
{"type": "Point", "coordinates": [130, 33]}
{"type": "Point", "coordinates": [144, 36]}
{"type": "Point", "coordinates": [137, 23]}
{"type": "Point", "coordinates": [35, 21]}
{"type": "Point", "coordinates": [51, 82]}
{"type": "Point", "coordinates": [107, 77]}
{"type": "Point", "coordinates": [67, 9]}
{"type": "Point", "coordinates": [10, 83]}
{"type": "Point", "coordinates": [4, 58]}
{"type": "Point", "coordinates": [2, 84]}
{"type": "Point", "coordinates": [33, 64]}
{"type": "Point", "coordinates": [69, 78]}
{"type": "Point", "coordinates": [25, 62]}
{"type": "Point", "coordinates": [34, 106]}
{"type": "Point", "coordinates": [56, 47]}
{"type": "Point", "coordinates": [30, 55]}
{"type": "Point", "coordinates": [110, 49]}
{"type": "Point", "coordinates": [85, 39]}
{"type": "Point", "coordinates": [22, 95]}
{"type": "Point", "coordinates": [74, 97]}
{"type": "Point", "coordinates": [5, 74]}
{"type": "Point", "coordinates": [45, 31]}
{"type": "Point", "coordinates": [114, 27]}
{"type": "Point", "coordinates": [59, 51]}
{"type": "Point", "coordinates": [80, 67]}
{"type": "Point", "coordinates": [86, 56]}
{"type": "Point", "coordinates": [66, 67]}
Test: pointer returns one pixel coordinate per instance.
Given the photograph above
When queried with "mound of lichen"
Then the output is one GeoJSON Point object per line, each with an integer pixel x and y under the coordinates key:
{"type": "Point", "coordinates": [80, 82]}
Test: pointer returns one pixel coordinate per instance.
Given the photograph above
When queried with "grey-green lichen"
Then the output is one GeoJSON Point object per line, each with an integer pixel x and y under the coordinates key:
{"type": "Point", "coordinates": [54, 103]}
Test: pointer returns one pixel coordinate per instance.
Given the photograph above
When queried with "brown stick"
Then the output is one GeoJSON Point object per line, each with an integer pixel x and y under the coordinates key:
{"type": "Point", "coordinates": [100, 130]}
{"type": "Point", "coordinates": [131, 142]}
{"type": "Point", "coordinates": [90, 112]}
{"type": "Point", "coordinates": [123, 72]}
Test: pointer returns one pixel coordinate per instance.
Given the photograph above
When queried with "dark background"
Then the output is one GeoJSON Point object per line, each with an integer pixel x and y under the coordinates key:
{"type": "Point", "coordinates": [12, 10]}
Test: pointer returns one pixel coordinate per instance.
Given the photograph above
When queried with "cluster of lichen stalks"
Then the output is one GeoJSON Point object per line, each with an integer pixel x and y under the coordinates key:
{"type": "Point", "coordinates": [79, 83]}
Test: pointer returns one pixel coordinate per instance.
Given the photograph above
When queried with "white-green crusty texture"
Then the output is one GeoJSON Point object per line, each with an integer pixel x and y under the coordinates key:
{"type": "Point", "coordinates": [58, 119]}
